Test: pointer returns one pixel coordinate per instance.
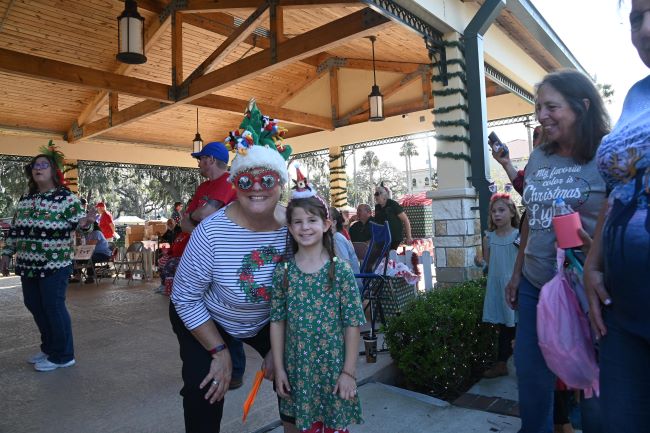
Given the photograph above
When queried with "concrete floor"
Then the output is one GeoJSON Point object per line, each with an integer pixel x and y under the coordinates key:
{"type": "Point", "coordinates": [127, 375]}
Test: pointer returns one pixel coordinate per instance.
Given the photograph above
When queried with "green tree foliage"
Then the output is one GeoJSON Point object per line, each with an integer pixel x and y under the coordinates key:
{"type": "Point", "coordinates": [407, 150]}
{"type": "Point", "coordinates": [13, 184]}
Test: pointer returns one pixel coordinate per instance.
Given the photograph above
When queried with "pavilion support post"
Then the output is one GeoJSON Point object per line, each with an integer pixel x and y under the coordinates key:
{"type": "Point", "coordinates": [338, 179]}
{"type": "Point", "coordinates": [71, 174]}
{"type": "Point", "coordinates": [457, 236]}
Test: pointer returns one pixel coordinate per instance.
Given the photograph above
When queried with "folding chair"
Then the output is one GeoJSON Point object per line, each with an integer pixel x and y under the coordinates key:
{"type": "Point", "coordinates": [106, 268]}
{"type": "Point", "coordinates": [374, 280]}
{"type": "Point", "coordinates": [133, 258]}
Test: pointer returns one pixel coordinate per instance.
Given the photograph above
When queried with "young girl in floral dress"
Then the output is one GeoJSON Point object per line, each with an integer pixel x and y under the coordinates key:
{"type": "Point", "coordinates": [315, 316]}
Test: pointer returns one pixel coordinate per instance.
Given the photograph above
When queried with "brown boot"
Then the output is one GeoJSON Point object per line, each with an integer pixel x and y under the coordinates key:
{"type": "Point", "coordinates": [498, 369]}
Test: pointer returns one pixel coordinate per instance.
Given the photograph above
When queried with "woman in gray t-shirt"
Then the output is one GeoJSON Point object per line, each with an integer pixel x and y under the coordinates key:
{"type": "Point", "coordinates": [574, 121]}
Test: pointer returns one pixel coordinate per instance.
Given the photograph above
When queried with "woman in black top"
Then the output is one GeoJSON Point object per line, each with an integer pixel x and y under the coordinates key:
{"type": "Point", "coordinates": [389, 210]}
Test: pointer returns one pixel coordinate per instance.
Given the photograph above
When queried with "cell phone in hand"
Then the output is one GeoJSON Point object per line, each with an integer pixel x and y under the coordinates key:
{"type": "Point", "coordinates": [496, 144]}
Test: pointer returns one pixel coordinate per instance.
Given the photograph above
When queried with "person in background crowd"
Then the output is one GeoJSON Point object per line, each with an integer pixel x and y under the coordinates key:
{"type": "Point", "coordinates": [209, 197]}
{"type": "Point", "coordinates": [574, 120]}
{"type": "Point", "coordinates": [102, 252]}
{"type": "Point", "coordinates": [222, 287]}
{"type": "Point", "coordinates": [389, 210]}
{"type": "Point", "coordinates": [176, 213]}
{"type": "Point", "coordinates": [500, 252]}
{"type": "Point", "coordinates": [360, 230]}
{"type": "Point", "coordinates": [173, 229]}
{"type": "Point", "coordinates": [616, 272]}
{"type": "Point", "coordinates": [40, 237]}
{"type": "Point", "coordinates": [215, 192]}
{"type": "Point", "coordinates": [105, 221]}
{"type": "Point", "coordinates": [342, 246]}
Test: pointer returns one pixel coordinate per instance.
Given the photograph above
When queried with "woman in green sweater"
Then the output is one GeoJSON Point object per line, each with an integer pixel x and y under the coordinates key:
{"type": "Point", "coordinates": [40, 238]}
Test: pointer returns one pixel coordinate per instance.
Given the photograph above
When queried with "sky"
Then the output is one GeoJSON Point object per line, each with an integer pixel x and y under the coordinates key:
{"type": "Point", "coordinates": [597, 33]}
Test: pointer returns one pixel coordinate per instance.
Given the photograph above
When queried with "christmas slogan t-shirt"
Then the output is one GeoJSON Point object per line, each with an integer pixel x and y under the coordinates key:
{"type": "Point", "coordinates": [548, 177]}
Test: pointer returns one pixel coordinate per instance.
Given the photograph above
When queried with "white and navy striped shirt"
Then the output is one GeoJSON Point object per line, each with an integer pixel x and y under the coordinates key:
{"type": "Point", "coordinates": [225, 274]}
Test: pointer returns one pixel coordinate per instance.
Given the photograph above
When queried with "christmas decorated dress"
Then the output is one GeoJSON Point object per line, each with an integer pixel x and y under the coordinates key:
{"type": "Point", "coordinates": [316, 316]}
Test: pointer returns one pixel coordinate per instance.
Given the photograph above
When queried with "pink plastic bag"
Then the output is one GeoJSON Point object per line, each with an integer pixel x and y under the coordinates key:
{"type": "Point", "coordinates": [563, 334]}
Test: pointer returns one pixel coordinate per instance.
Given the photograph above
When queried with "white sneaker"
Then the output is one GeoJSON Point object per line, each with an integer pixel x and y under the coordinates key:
{"type": "Point", "coordinates": [37, 358]}
{"type": "Point", "coordinates": [46, 365]}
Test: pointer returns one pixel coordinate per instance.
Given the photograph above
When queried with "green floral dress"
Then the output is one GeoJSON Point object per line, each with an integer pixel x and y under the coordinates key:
{"type": "Point", "coordinates": [314, 352]}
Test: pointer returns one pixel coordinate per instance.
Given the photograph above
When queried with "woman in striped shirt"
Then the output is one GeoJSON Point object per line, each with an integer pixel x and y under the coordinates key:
{"type": "Point", "coordinates": [222, 286]}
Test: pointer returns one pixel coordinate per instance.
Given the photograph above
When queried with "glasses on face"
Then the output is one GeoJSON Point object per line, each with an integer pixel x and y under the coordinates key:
{"type": "Point", "coordinates": [40, 165]}
{"type": "Point", "coordinates": [377, 193]}
{"type": "Point", "coordinates": [267, 180]}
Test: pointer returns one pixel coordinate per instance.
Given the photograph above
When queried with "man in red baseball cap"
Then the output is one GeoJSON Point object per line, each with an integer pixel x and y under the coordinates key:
{"type": "Point", "coordinates": [105, 222]}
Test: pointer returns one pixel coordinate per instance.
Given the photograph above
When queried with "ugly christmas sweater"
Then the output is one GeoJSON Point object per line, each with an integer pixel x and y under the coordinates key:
{"type": "Point", "coordinates": [40, 235]}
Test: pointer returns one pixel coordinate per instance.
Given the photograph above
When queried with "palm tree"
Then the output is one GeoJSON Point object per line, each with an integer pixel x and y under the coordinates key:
{"type": "Point", "coordinates": [371, 161]}
{"type": "Point", "coordinates": [408, 150]}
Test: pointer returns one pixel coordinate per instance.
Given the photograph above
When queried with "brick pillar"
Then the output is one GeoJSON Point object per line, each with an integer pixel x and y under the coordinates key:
{"type": "Point", "coordinates": [457, 236]}
{"type": "Point", "coordinates": [338, 179]}
{"type": "Point", "coordinates": [71, 174]}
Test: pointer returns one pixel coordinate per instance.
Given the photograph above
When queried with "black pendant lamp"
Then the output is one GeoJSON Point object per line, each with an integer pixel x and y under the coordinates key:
{"type": "Point", "coordinates": [197, 144]}
{"type": "Point", "coordinates": [130, 35]}
{"type": "Point", "coordinates": [375, 99]}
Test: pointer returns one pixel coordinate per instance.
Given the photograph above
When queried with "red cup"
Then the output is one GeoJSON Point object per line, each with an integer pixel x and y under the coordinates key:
{"type": "Point", "coordinates": [566, 230]}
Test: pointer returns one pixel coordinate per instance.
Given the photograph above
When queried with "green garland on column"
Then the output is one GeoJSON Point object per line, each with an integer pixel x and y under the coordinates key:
{"type": "Point", "coordinates": [453, 155]}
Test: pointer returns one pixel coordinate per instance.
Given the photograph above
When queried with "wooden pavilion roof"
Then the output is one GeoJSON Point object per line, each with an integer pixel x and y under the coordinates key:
{"type": "Point", "coordinates": [58, 70]}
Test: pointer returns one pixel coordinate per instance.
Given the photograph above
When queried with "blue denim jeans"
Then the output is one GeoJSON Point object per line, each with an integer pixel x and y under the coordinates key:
{"type": "Point", "coordinates": [535, 381]}
{"type": "Point", "coordinates": [45, 299]}
{"type": "Point", "coordinates": [624, 379]}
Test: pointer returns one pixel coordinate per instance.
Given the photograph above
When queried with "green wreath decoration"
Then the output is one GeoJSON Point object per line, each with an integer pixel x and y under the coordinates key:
{"type": "Point", "coordinates": [254, 291]}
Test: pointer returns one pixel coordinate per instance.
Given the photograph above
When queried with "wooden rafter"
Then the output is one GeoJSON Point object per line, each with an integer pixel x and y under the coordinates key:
{"type": "Point", "coordinates": [27, 65]}
{"type": "Point", "coordinates": [224, 24]}
{"type": "Point", "coordinates": [177, 49]}
{"type": "Point", "coordinates": [202, 6]}
{"type": "Point", "coordinates": [231, 42]}
{"type": "Point", "coordinates": [334, 93]}
{"type": "Point", "coordinates": [234, 105]}
{"type": "Point", "coordinates": [155, 29]}
{"type": "Point", "coordinates": [338, 32]}
{"type": "Point", "coordinates": [405, 108]}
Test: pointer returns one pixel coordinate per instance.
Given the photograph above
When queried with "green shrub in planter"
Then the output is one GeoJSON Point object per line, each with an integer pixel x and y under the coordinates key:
{"type": "Point", "coordinates": [439, 342]}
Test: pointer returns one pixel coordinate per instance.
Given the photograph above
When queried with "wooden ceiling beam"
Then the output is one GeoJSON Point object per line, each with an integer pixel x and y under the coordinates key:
{"type": "Point", "coordinates": [231, 42]}
{"type": "Point", "coordinates": [335, 33]}
{"type": "Point", "coordinates": [406, 108]}
{"type": "Point", "coordinates": [224, 24]}
{"type": "Point", "coordinates": [177, 49]}
{"type": "Point", "coordinates": [155, 29]}
{"type": "Point", "coordinates": [155, 6]}
{"type": "Point", "coordinates": [203, 6]}
{"type": "Point", "coordinates": [234, 105]}
{"type": "Point", "coordinates": [339, 32]}
{"type": "Point", "coordinates": [401, 67]}
{"type": "Point", "coordinates": [124, 117]}
{"type": "Point", "coordinates": [27, 65]}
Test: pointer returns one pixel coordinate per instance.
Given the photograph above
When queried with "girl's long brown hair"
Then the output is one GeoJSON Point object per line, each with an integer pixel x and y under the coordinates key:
{"type": "Point", "coordinates": [315, 207]}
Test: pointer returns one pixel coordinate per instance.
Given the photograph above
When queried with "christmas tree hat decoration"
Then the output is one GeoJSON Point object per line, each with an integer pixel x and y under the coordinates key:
{"type": "Point", "coordinates": [258, 143]}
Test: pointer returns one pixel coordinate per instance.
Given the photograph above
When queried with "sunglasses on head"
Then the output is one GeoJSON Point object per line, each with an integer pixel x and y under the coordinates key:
{"type": "Point", "coordinates": [40, 165]}
{"type": "Point", "coordinates": [267, 180]}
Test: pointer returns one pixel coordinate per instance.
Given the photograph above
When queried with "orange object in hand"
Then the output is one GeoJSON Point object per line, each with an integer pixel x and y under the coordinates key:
{"type": "Point", "coordinates": [259, 376]}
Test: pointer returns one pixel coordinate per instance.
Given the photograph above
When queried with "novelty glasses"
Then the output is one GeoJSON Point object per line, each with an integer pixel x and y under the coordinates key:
{"type": "Point", "coordinates": [267, 180]}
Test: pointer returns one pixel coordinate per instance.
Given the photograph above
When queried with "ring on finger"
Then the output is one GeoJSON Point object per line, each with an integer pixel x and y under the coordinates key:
{"type": "Point", "coordinates": [215, 382]}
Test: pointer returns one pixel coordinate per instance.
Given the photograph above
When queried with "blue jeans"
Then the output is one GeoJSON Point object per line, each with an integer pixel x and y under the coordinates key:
{"type": "Point", "coordinates": [624, 379]}
{"type": "Point", "coordinates": [535, 381]}
{"type": "Point", "coordinates": [45, 299]}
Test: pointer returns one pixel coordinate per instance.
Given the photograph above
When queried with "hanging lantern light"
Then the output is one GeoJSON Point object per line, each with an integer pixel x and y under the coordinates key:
{"type": "Point", "coordinates": [130, 35]}
{"type": "Point", "coordinates": [375, 99]}
{"type": "Point", "coordinates": [197, 144]}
